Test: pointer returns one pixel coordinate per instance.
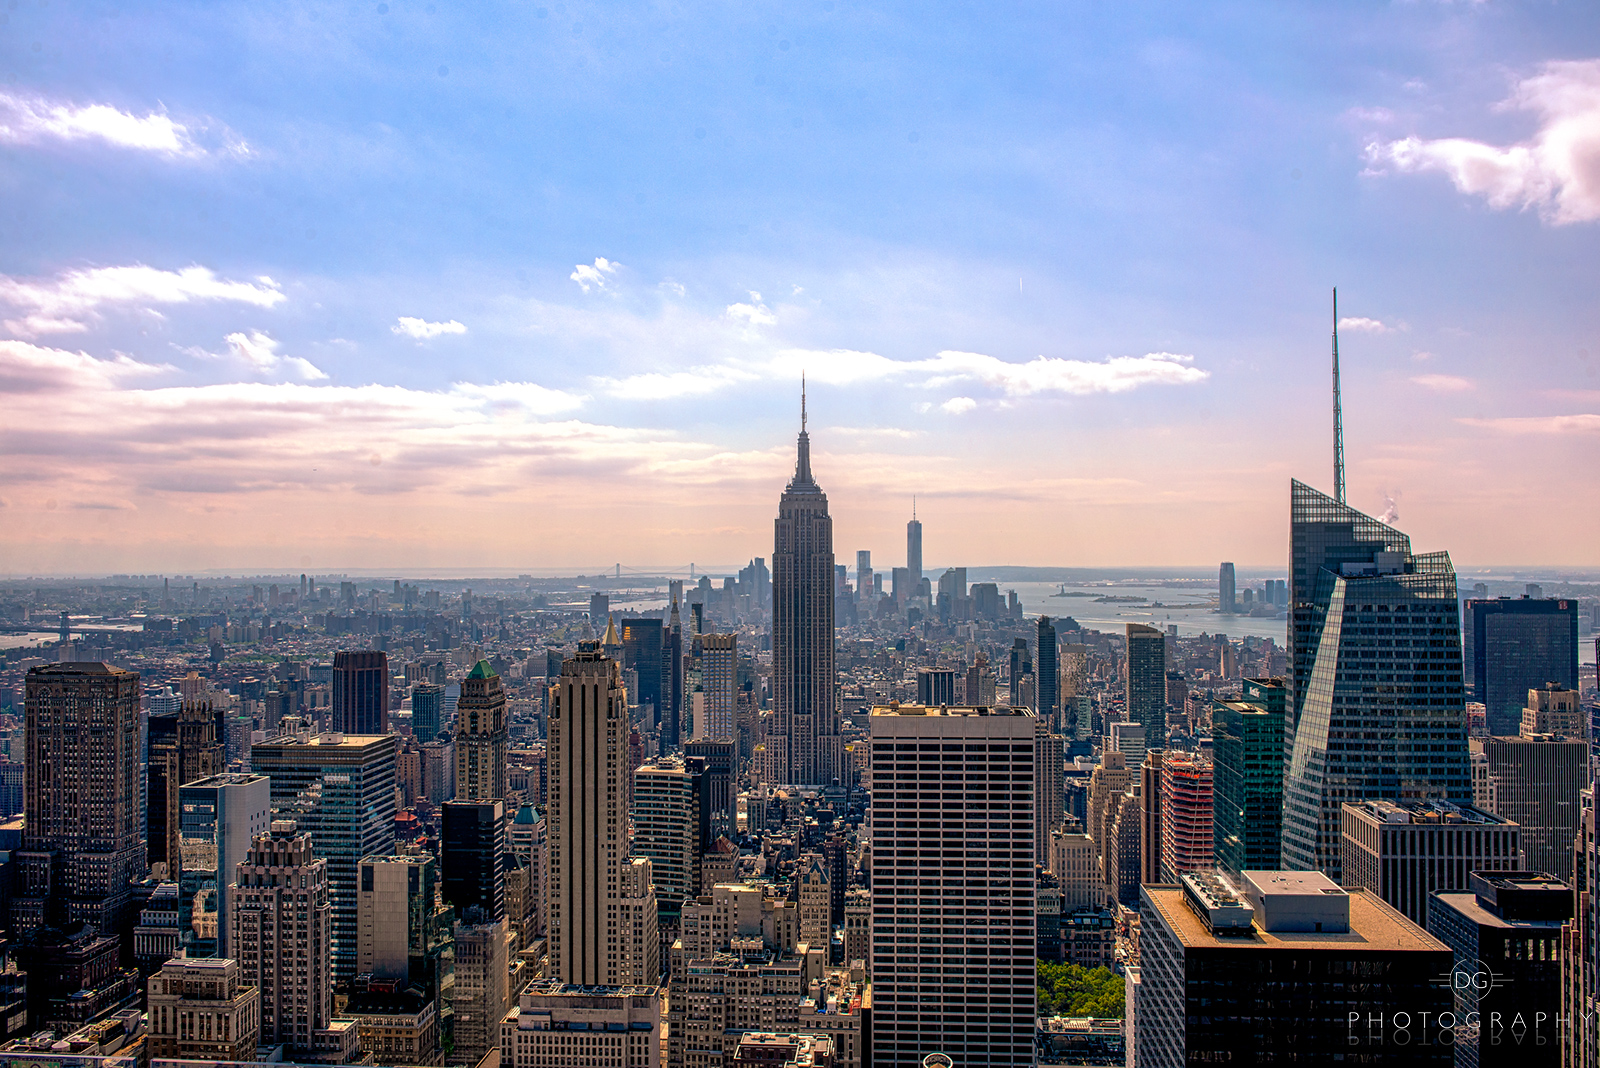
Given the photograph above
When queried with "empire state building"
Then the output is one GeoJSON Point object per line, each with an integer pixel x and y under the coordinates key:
{"type": "Point", "coordinates": [804, 747]}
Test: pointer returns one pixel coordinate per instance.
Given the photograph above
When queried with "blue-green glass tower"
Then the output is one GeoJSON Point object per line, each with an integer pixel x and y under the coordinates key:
{"type": "Point", "coordinates": [1247, 777]}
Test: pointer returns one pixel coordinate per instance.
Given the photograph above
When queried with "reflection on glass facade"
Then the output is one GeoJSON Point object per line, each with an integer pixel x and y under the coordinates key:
{"type": "Point", "coordinates": [1516, 646]}
{"type": "Point", "coordinates": [1377, 659]}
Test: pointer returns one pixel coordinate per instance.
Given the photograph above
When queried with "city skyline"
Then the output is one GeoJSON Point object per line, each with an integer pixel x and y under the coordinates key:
{"type": "Point", "coordinates": [248, 323]}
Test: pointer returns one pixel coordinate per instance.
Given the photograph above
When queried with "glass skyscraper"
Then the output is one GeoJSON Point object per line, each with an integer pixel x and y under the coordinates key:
{"type": "Point", "coordinates": [1247, 777]}
{"type": "Point", "coordinates": [1375, 641]}
{"type": "Point", "coordinates": [1517, 645]}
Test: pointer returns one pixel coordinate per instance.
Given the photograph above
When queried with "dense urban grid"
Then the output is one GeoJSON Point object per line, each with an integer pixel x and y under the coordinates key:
{"type": "Point", "coordinates": [805, 814]}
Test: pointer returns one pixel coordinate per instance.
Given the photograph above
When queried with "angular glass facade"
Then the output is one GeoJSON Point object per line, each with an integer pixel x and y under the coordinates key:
{"type": "Point", "coordinates": [1376, 648]}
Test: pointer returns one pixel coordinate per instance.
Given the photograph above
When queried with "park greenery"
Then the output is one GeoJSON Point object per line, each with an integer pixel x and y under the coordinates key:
{"type": "Point", "coordinates": [1073, 990]}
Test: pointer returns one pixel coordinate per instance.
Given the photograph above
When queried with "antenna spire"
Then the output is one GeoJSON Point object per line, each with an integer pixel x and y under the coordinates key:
{"type": "Point", "coordinates": [1338, 410]}
{"type": "Point", "coordinates": [802, 402]}
{"type": "Point", "coordinates": [913, 506]}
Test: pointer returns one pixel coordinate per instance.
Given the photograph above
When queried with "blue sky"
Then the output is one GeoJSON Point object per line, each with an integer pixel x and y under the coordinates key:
{"type": "Point", "coordinates": [528, 284]}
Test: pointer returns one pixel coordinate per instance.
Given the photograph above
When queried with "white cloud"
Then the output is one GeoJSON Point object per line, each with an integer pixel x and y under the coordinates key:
{"type": "Point", "coordinates": [537, 399]}
{"type": "Point", "coordinates": [753, 314]}
{"type": "Point", "coordinates": [1582, 423]}
{"type": "Point", "coordinates": [422, 330]}
{"type": "Point", "coordinates": [843, 367]}
{"type": "Point", "coordinates": [1556, 172]}
{"type": "Point", "coordinates": [261, 352]}
{"type": "Point", "coordinates": [1361, 324]}
{"type": "Point", "coordinates": [958, 405]}
{"type": "Point", "coordinates": [1445, 383]}
{"type": "Point", "coordinates": [26, 119]}
{"type": "Point", "coordinates": [61, 304]}
{"type": "Point", "coordinates": [587, 276]}
{"type": "Point", "coordinates": [27, 368]}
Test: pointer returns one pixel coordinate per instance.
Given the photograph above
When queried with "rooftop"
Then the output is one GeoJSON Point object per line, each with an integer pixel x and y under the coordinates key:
{"type": "Point", "coordinates": [1374, 926]}
{"type": "Point", "coordinates": [1424, 811]}
{"type": "Point", "coordinates": [897, 709]}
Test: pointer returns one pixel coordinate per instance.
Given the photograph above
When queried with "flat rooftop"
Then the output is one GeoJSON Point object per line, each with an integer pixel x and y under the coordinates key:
{"type": "Point", "coordinates": [1425, 812]}
{"type": "Point", "coordinates": [950, 710]}
{"type": "Point", "coordinates": [1374, 926]}
{"type": "Point", "coordinates": [1467, 904]}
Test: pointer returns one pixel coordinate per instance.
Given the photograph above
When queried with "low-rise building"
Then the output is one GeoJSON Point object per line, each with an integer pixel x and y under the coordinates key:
{"type": "Point", "coordinates": [397, 1025]}
{"type": "Point", "coordinates": [841, 1010]}
{"type": "Point", "coordinates": [772, 1050]}
{"type": "Point", "coordinates": [201, 1009]}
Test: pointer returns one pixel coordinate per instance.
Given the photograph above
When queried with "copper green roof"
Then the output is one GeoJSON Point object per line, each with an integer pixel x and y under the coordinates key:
{"type": "Point", "coordinates": [481, 670]}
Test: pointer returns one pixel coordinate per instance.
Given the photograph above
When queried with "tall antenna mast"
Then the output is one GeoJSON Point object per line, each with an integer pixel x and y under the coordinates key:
{"type": "Point", "coordinates": [802, 402]}
{"type": "Point", "coordinates": [1338, 410]}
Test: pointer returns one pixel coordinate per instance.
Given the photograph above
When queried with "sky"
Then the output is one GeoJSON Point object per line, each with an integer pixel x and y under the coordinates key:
{"type": "Point", "coordinates": [533, 285]}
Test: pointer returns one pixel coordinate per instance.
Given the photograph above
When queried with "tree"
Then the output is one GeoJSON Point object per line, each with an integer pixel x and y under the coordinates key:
{"type": "Point", "coordinates": [1073, 990]}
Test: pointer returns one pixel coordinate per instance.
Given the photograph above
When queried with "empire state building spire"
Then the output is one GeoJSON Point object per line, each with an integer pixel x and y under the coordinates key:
{"type": "Point", "coordinates": [804, 748]}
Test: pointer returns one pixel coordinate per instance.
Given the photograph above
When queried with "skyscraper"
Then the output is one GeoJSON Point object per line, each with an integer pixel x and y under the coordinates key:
{"type": "Point", "coordinates": [1516, 646]}
{"type": "Point", "coordinates": [472, 843]}
{"type": "Point", "coordinates": [956, 978]}
{"type": "Point", "coordinates": [482, 736]}
{"type": "Point", "coordinates": [1186, 832]}
{"type": "Point", "coordinates": [1047, 672]}
{"type": "Point", "coordinates": [361, 692]}
{"type": "Point", "coordinates": [806, 719]}
{"type": "Point", "coordinates": [644, 651]}
{"type": "Point", "coordinates": [1375, 639]}
{"type": "Point", "coordinates": [80, 844]}
{"type": "Point", "coordinates": [1021, 668]}
{"type": "Point", "coordinates": [1247, 777]}
{"type": "Point", "coordinates": [220, 817]}
{"type": "Point", "coordinates": [184, 747]}
{"type": "Point", "coordinates": [1535, 781]}
{"type": "Point", "coordinates": [1227, 597]}
{"type": "Point", "coordinates": [914, 550]}
{"type": "Point", "coordinates": [666, 828]}
{"type": "Point", "coordinates": [588, 817]}
{"type": "Point", "coordinates": [1146, 683]}
{"type": "Point", "coordinates": [719, 681]}
{"type": "Point", "coordinates": [427, 702]}
{"type": "Point", "coordinates": [1049, 789]}
{"type": "Point", "coordinates": [671, 718]}
{"type": "Point", "coordinates": [339, 790]}
{"type": "Point", "coordinates": [865, 581]}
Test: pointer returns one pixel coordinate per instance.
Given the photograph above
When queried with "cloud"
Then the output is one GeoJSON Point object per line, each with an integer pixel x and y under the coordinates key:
{"type": "Point", "coordinates": [29, 368]}
{"type": "Point", "coordinates": [1556, 172]}
{"type": "Point", "coordinates": [1584, 423]}
{"type": "Point", "coordinates": [422, 330]}
{"type": "Point", "coordinates": [61, 304]}
{"type": "Point", "coordinates": [843, 367]}
{"type": "Point", "coordinates": [587, 276]}
{"type": "Point", "coordinates": [26, 119]}
{"type": "Point", "coordinates": [1445, 383]}
{"type": "Point", "coordinates": [1364, 325]}
{"type": "Point", "coordinates": [540, 400]}
{"type": "Point", "coordinates": [261, 353]}
{"type": "Point", "coordinates": [958, 405]}
{"type": "Point", "coordinates": [753, 314]}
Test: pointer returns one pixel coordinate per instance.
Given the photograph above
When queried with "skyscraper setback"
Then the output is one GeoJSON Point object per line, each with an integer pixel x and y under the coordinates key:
{"type": "Point", "coordinates": [806, 719]}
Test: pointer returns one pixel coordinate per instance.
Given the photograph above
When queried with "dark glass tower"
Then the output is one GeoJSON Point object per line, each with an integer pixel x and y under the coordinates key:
{"type": "Point", "coordinates": [472, 842]}
{"type": "Point", "coordinates": [1376, 645]}
{"type": "Point", "coordinates": [361, 692]}
{"type": "Point", "coordinates": [1516, 646]}
{"type": "Point", "coordinates": [1147, 683]}
{"type": "Point", "coordinates": [914, 550]}
{"type": "Point", "coordinates": [806, 719]}
{"type": "Point", "coordinates": [427, 704]}
{"type": "Point", "coordinates": [1047, 672]}
{"type": "Point", "coordinates": [1247, 778]}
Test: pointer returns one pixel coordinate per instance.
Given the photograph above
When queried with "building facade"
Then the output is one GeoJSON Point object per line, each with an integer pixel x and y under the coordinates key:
{"type": "Point", "coordinates": [597, 1027]}
{"type": "Point", "coordinates": [1146, 682]}
{"type": "Point", "coordinates": [202, 1010]}
{"type": "Point", "coordinates": [361, 692]}
{"type": "Point", "coordinates": [1515, 645]}
{"type": "Point", "coordinates": [483, 736]}
{"type": "Point", "coordinates": [1247, 777]}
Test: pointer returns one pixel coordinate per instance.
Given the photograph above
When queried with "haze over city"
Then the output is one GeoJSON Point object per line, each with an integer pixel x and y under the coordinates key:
{"type": "Point", "coordinates": [405, 285]}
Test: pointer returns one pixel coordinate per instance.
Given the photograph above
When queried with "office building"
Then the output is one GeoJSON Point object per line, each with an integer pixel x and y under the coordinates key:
{"type": "Point", "coordinates": [361, 692]}
{"type": "Point", "coordinates": [1249, 975]}
{"type": "Point", "coordinates": [670, 727]}
{"type": "Point", "coordinates": [1553, 709]}
{"type": "Point", "coordinates": [1511, 922]}
{"type": "Point", "coordinates": [1127, 739]}
{"type": "Point", "coordinates": [639, 944]}
{"type": "Point", "coordinates": [80, 840]}
{"type": "Point", "coordinates": [1151, 842]}
{"type": "Point", "coordinates": [714, 1000]}
{"type": "Point", "coordinates": [1186, 822]}
{"type": "Point", "coordinates": [803, 745]}
{"type": "Point", "coordinates": [1146, 682]}
{"type": "Point", "coordinates": [1021, 668]}
{"type": "Point", "coordinates": [719, 681]}
{"type": "Point", "coordinates": [202, 1010]}
{"type": "Point", "coordinates": [866, 581]}
{"type": "Point", "coordinates": [1227, 597]}
{"type": "Point", "coordinates": [713, 763]}
{"type": "Point", "coordinates": [1377, 712]}
{"type": "Point", "coordinates": [813, 883]}
{"type": "Point", "coordinates": [953, 939]}
{"type": "Point", "coordinates": [595, 1027]}
{"type": "Point", "coordinates": [644, 652]}
{"type": "Point", "coordinates": [1535, 782]}
{"type": "Point", "coordinates": [398, 1025]}
{"type": "Point", "coordinates": [1107, 783]}
{"type": "Point", "coordinates": [483, 736]}
{"type": "Point", "coordinates": [281, 936]}
{"type": "Point", "coordinates": [402, 930]}
{"type": "Point", "coordinates": [1047, 672]}
{"type": "Point", "coordinates": [1124, 842]}
{"type": "Point", "coordinates": [914, 551]}
{"type": "Point", "coordinates": [1405, 851]}
{"type": "Point", "coordinates": [472, 845]}
{"type": "Point", "coordinates": [1247, 777]}
{"type": "Point", "coordinates": [588, 817]}
{"type": "Point", "coordinates": [1049, 788]}
{"type": "Point", "coordinates": [666, 828]}
{"type": "Point", "coordinates": [936, 686]}
{"type": "Point", "coordinates": [1516, 645]}
{"type": "Point", "coordinates": [427, 707]}
{"type": "Point", "coordinates": [220, 817]}
{"type": "Point", "coordinates": [340, 790]}
{"type": "Point", "coordinates": [183, 747]}
{"type": "Point", "coordinates": [482, 985]}
{"type": "Point", "coordinates": [599, 610]}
